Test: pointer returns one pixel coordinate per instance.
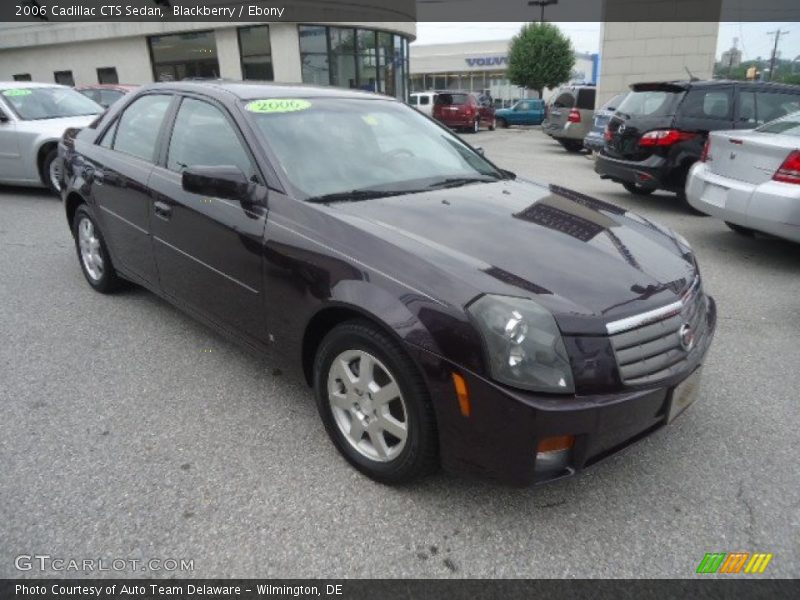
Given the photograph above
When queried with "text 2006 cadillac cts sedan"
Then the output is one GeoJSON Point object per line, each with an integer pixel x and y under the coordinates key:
{"type": "Point", "coordinates": [444, 311]}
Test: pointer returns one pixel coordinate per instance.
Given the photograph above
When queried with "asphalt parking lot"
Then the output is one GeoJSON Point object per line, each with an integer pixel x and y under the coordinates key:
{"type": "Point", "coordinates": [131, 431]}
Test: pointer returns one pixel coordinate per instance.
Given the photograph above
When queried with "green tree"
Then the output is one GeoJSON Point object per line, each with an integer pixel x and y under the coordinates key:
{"type": "Point", "coordinates": [540, 57]}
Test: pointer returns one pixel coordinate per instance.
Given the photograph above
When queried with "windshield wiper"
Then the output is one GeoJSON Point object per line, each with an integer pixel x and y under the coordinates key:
{"type": "Point", "coordinates": [450, 182]}
{"type": "Point", "coordinates": [353, 195]}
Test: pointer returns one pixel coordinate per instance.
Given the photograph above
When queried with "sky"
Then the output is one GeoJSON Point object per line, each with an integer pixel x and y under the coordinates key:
{"type": "Point", "coordinates": [754, 40]}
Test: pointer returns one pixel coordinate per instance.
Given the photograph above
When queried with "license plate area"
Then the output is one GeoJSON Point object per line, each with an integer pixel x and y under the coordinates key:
{"type": "Point", "coordinates": [683, 395]}
{"type": "Point", "coordinates": [715, 195]}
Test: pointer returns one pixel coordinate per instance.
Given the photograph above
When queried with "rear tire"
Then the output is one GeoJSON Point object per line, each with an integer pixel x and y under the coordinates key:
{"type": "Point", "coordinates": [572, 145]}
{"type": "Point", "coordinates": [51, 171]}
{"type": "Point", "coordinates": [745, 231]}
{"type": "Point", "coordinates": [493, 125]}
{"type": "Point", "coordinates": [92, 253]}
{"type": "Point", "coordinates": [387, 433]}
{"type": "Point", "coordinates": [637, 190]}
{"type": "Point", "coordinates": [502, 123]}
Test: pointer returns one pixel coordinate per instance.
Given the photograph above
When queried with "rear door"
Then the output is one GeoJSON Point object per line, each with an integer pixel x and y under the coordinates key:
{"type": "Point", "coordinates": [558, 114]}
{"type": "Point", "coordinates": [122, 163]}
{"type": "Point", "coordinates": [208, 250]}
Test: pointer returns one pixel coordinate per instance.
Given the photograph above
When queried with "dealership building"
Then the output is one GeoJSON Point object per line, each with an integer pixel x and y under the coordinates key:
{"type": "Point", "coordinates": [480, 67]}
{"type": "Point", "coordinates": [368, 56]}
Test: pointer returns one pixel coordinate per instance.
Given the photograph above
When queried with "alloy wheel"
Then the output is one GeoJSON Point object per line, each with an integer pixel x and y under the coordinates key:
{"type": "Point", "coordinates": [91, 253]}
{"type": "Point", "coordinates": [367, 405]}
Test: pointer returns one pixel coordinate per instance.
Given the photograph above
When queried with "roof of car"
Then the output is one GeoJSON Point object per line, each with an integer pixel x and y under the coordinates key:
{"type": "Point", "coordinates": [9, 85]}
{"type": "Point", "coordinates": [107, 86]}
{"type": "Point", "coordinates": [253, 90]}
{"type": "Point", "coordinates": [686, 84]}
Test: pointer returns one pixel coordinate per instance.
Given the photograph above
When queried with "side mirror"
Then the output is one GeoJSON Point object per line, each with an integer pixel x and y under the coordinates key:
{"type": "Point", "coordinates": [3, 117]}
{"type": "Point", "coordinates": [221, 182]}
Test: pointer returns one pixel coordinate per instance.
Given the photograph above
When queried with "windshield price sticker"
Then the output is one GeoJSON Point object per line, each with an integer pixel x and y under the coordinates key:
{"type": "Point", "coordinates": [278, 105]}
{"type": "Point", "coordinates": [16, 92]}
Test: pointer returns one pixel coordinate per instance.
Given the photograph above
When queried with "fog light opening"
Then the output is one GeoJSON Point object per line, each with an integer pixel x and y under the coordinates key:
{"type": "Point", "coordinates": [462, 393]}
{"type": "Point", "coordinates": [554, 454]}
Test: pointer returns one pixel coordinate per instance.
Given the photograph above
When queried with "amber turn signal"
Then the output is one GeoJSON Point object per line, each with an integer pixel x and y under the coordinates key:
{"type": "Point", "coordinates": [463, 394]}
{"type": "Point", "coordinates": [555, 444]}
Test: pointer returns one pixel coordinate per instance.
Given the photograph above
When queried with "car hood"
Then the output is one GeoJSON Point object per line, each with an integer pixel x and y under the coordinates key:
{"type": "Point", "coordinates": [587, 261]}
{"type": "Point", "coordinates": [54, 127]}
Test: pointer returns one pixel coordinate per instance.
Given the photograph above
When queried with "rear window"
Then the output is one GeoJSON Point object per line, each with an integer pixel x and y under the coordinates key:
{"type": "Point", "coordinates": [424, 100]}
{"type": "Point", "coordinates": [447, 99]}
{"type": "Point", "coordinates": [586, 97]}
{"type": "Point", "coordinates": [614, 103]}
{"type": "Point", "coordinates": [565, 100]}
{"type": "Point", "coordinates": [654, 103]}
{"type": "Point", "coordinates": [788, 126]}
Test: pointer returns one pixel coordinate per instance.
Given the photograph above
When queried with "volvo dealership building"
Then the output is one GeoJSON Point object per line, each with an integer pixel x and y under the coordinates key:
{"type": "Point", "coordinates": [368, 56]}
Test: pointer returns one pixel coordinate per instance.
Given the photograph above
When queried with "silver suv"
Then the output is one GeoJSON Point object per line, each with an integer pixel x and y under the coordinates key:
{"type": "Point", "coordinates": [569, 114]}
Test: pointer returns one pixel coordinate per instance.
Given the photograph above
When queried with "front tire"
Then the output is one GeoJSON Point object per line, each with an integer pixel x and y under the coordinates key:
{"type": "Point", "coordinates": [92, 252]}
{"type": "Point", "coordinates": [493, 125]}
{"type": "Point", "coordinates": [374, 404]}
{"type": "Point", "coordinates": [476, 126]}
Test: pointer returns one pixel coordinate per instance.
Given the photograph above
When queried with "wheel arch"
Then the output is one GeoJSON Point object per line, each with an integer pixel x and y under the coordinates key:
{"type": "Point", "coordinates": [71, 204]}
{"type": "Point", "coordinates": [44, 149]}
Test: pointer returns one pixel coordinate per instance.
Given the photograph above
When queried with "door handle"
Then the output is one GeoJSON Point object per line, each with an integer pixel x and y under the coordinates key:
{"type": "Point", "coordinates": [162, 210]}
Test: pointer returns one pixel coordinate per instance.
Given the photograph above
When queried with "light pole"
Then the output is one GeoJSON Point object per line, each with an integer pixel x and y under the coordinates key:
{"type": "Point", "coordinates": [542, 4]}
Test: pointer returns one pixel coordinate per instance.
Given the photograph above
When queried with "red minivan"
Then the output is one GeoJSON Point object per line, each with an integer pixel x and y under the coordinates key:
{"type": "Point", "coordinates": [464, 110]}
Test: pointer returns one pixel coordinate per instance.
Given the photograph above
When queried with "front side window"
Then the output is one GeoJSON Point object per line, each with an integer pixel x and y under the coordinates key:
{"type": "Point", "coordinates": [140, 124]}
{"type": "Point", "coordinates": [203, 136]}
{"type": "Point", "coordinates": [35, 103]}
{"type": "Point", "coordinates": [330, 146]}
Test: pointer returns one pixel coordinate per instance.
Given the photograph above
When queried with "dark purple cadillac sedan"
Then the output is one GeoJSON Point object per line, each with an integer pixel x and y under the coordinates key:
{"type": "Point", "coordinates": [444, 311]}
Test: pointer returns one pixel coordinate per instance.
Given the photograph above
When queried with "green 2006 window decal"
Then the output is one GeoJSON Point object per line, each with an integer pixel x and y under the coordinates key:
{"type": "Point", "coordinates": [277, 105]}
{"type": "Point", "coordinates": [16, 92]}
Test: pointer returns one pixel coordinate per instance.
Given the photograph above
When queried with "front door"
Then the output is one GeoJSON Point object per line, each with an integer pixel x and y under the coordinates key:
{"type": "Point", "coordinates": [208, 250]}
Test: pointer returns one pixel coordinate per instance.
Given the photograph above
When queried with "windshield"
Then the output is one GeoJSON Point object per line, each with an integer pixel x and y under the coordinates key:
{"type": "Point", "coordinates": [789, 125]}
{"type": "Point", "coordinates": [335, 146]}
{"type": "Point", "coordinates": [49, 103]}
{"type": "Point", "coordinates": [656, 103]}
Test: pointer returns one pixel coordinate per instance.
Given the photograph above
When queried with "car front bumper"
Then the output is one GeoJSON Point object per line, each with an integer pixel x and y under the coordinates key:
{"type": "Point", "coordinates": [594, 141]}
{"type": "Point", "coordinates": [771, 207]}
{"type": "Point", "coordinates": [500, 437]}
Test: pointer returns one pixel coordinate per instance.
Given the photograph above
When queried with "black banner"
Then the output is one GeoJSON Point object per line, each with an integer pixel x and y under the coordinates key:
{"type": "Point", "coordinates": [274, 589]}
{"type": "Point", "coordinates": [398, 10]}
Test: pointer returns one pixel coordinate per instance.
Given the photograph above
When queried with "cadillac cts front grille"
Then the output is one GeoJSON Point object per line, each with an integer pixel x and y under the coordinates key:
{"type": "Point", "coordinates": [657, 344]}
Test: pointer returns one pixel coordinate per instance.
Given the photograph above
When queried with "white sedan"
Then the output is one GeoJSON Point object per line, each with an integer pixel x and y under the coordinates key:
{"type": "Point", "coordinates": [751, 179]}
{"type": "Point", "coordinates": [33, 117]}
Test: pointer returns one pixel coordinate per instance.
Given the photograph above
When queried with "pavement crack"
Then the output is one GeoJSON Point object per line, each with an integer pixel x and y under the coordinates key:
{"type": "Point", "coordinates": [751, 516]}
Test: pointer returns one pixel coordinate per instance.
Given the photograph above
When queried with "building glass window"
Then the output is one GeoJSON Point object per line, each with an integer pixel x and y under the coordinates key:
{"type": "Point", "coordinates": [255, 50]}
{"type": "Point", "coordinates": [22, 77]}
{"type": "Point", "coordinates": [314, 54]}
{"type": "Point", "coordinates": [64, 78]}
{"type": "Point", "coordinates": [107, 75]}
{"type": "Point", "coordinates": [184, 55]}
{"type": "Point", "coordinates": [354, 58]}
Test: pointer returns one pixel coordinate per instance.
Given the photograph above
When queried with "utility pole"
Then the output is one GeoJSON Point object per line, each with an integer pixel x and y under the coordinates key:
{"type": "Point", "coordinates": [778, 33]}
{"type": "Point", "coordinates": [542, 4]}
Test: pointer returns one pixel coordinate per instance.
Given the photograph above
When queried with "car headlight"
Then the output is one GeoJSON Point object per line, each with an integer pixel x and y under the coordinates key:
{"type": "Point", "coordinates": [524, 344]}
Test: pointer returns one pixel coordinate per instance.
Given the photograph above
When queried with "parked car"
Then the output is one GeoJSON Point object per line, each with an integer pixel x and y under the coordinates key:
{"type": "Point", "coordinates": [348, 234]}
{"type": "Point", "coordinates": [525, 112]}
{"type": "Point", "coordinates": [466, 111]}
{"type": "Point", "coordinates": [33, 117]}
{"type": "Point", "coordinates": [423, 101]}
{"type": "Point", "coordinates": [751, 179]}
{"type": "Point", "coordinates": [568, 116]}
{"type": "Point", "coordinates": [658, 132]}
{"type": "Point", "coordinates": [105, 94]}
{"type": "Point", "coordinates": [595, 139]}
